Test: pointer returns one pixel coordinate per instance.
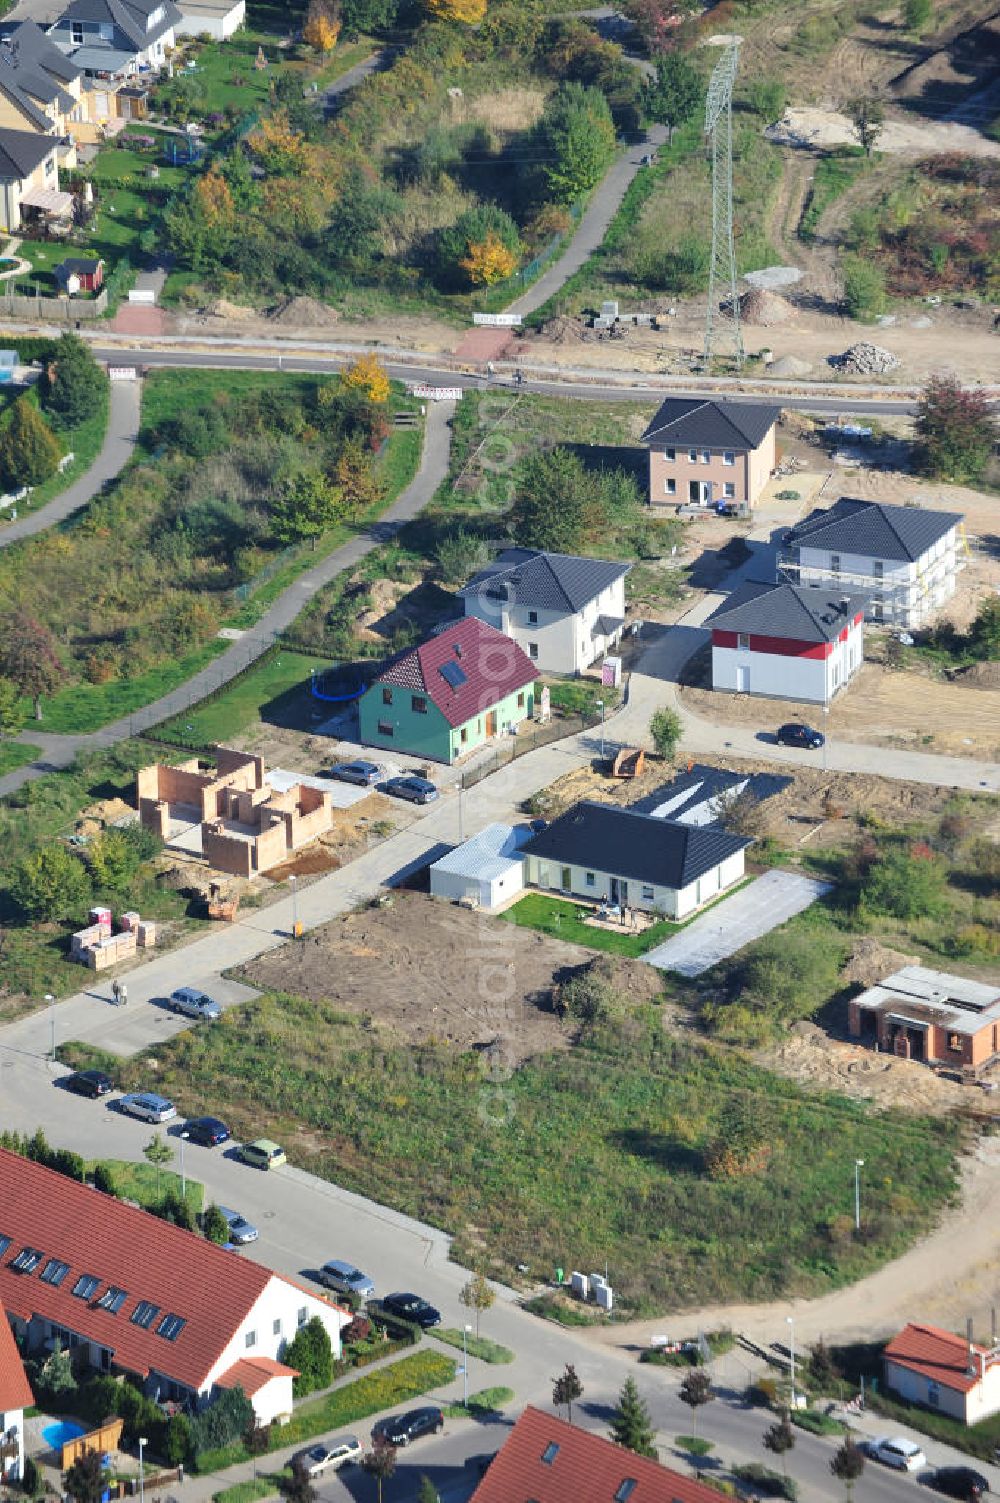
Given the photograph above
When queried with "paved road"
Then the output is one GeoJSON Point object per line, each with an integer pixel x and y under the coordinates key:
{"type": "Point", "coordinates": [59, 751]}
{"type": "Point", "coordinates": [119, 442]}
{"type": "Point", "coordinates": [330, 98]}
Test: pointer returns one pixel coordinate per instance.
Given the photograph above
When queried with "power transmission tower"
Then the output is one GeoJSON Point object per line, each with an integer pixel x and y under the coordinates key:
{"type": "Point", "coordinates": [722, 268]}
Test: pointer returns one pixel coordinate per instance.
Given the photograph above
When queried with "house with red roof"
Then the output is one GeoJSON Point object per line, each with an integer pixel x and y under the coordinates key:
{"type": "Point", "coordinates": [465, 685]}
{"type": "Point", "coordinates": [15, 1397]}
{"type": "Point", "coordinates": [952, 1374]}
{"type": "Point", "coordinates": [131, 1294]}
{"type": "Point", "coordinates": [546, 1460]}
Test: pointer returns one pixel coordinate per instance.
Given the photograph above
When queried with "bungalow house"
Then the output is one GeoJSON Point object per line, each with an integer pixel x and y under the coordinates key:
{"type": "Point", "coordinates": [904, 559]}
{"type": "Point", "coordinates": [951, 1374]}
{"type": "Point", "coordinates": [15, 1397]}
{"type": "Point", "coordinates": [77, 274]}
{"type": "Point", "coordinates": [786, 642]}
{"type": "Point", "coordinates": [634, 859]}
{"type": "Point", "coordinates": [548, 1460]}
{"type": "Point", "coordinates": [565, 612]}
{"type": "Point", "coordinates": [127, 1293]}
{"type": "Point", "coordinates": [703, 453]}
{"type": "Point", "coordinates": [117, 44]}
{"type": "Point", "coordinates": [462, 687]}
{"type": "Point", "coordinates": [931, 1016]}
{"type": "Point", "coordinates": [40, 88]}
{"type": "Point", "coordinates": [29, 178]}
{"type": "Point", "coordinates": [217, 19]}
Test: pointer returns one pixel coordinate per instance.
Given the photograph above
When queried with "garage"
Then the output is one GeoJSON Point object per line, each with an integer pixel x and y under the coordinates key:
{"type": "Point", "coordinates": [486, 871]}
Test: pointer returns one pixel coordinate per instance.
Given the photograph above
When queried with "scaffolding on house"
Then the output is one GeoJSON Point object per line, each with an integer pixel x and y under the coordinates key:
{"type": "Point", "coordinates": [890, 599]}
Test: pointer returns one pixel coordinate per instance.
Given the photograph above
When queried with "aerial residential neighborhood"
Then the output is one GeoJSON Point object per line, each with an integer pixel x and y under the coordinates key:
{"type": "Point", "coordinates": [499, 751]}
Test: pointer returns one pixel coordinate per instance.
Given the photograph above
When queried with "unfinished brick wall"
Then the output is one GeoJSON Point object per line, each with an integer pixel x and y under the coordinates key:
{"type": "Point", "coordinates": [227, 853]}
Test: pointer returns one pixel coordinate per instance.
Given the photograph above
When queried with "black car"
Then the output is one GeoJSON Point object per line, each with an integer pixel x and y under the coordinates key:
{"type": "Point", "coordinates": [796, 734]}
{"type": "Point", "coordinates": [400, 1429]}
{"type": "Point", "coordinates": [208, 1131]}
{"type": "Point", "coordinates": [412, 1308]}
{"type": "Point", "coordinates": [417, 790]}
{"type": "Point", "coordinates": [92, 1083]}
{"type": "Point", "coordinates": [959, 1482]}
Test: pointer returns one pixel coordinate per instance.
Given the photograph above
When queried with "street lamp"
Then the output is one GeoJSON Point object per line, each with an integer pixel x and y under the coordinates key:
{"type": "Point", "coordinates": [600, 703]}
{"type": "Point", "coordinates": [142, 1491]}
{"type": "Point", "coordinates": [52, 1021]}
{"type": "Point", "coordinates": [791, 1350]}
{"type": "Point", "coordinates": [465, 1365]}
{"type": "Point", "coordinates": [184, 1138]}
{"type": "Point", "coordinates": [295, 909]}
{"type": "Point", "coordinates": [859, 1164]}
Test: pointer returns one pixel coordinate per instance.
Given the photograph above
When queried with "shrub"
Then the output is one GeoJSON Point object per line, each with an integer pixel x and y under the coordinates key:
{"type": "Point", "coordinates": [771, 1484]}
{"type": "Point", "coordinates": [864, 288]}
{"type": "Point", "coordinates": [907, 884]}
{"type": "Point", "coordinates": [486, 223]}
{"type": "Point", "coordinates": [461, 554]}
{"type": "Point", "coordinates": [665, 728]}
{"type": "Point", "coordinates": [311, 1354]}
{"type": "Point", "coordinates": [29, 453]}
{"type": "Point", "coordinates": [224, 1420]}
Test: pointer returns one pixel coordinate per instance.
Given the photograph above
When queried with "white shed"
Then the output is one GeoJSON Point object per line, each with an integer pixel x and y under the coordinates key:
{"type": "Point", "coordinates": [217, 19]}
{"type": "Point", "coordinates": [486, 870]}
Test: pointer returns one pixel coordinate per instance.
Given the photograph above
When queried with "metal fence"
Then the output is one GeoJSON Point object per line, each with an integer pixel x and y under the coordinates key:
{"type": "Point", "coordinates": [557, 729]}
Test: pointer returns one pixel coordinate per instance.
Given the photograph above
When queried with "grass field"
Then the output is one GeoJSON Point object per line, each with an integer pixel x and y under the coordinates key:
{"type": "Point", "coordinates": [15, 754]}
{"type": "Point", "coordinates": [216, 720]}
{"type": "Point", "coordinates": [140, 1182]}
{"type": "Point", "coordinates": [564, 919]}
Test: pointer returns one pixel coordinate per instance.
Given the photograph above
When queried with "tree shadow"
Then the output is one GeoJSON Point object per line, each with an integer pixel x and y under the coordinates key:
{"type": "Point", "coordinates": [659, 1149]}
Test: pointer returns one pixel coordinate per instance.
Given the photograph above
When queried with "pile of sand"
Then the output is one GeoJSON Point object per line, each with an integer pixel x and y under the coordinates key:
{"type": "Point", "coordinates": [563, 330]}
{"type": "Point", "coordinates": [789, 365]}
{"type": "Point", "coordinates": [233, 312]}
{"type": "Point", "coordinates": [870, 962]}
{"type": "Point", "coordinates": [303, 313]}
{"type": "Point", "coordinates": [763, 308]}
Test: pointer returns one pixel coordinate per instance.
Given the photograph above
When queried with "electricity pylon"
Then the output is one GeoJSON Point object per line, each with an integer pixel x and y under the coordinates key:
{"type": "Point", "coordinates": [722, 268]}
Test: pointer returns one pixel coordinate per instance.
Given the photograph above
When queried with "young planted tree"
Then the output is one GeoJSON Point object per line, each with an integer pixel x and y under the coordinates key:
{"type": "Point", "coordinates": [665, 728]}
{"type": "Point", "coordinates": [85, 1478]}
{"type": "Point", "coordinates": [868, 121]}
{"type": "Point", "coordinates": [29, 451]}
{"type": "Point", "coordinates": [29, 658]}
{"type": "Point", "coordinates": [478, 1295]}
{"type": "Point", "coordinates": [159, 1154]}
{"type": "Point", "coordinates": [779, 1439]}
{"type": "Point", "coordinates": [675, 93]}
{"type": "Point", "coordinates": [847, 1464]}
{"type": "Point", "coordinates": [566, 1389]}
{"type": "Point", "coordinates": [427, 1492]}
{"type": "Point", "coordinates": [631, 1427]}
{"type": "Point", "coordinates": [696, 1391]}
{"type": "Point", "coordinates": [380, 1462]}
{"type": "Point", "coordinates": [956, 431]}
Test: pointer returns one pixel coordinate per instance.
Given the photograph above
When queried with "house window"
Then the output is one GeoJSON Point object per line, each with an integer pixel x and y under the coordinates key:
{"type": "Point", "coordinates": [743, 640]}
{"type": "Point", "coordinates": [728, 490]}
{"type": "Point", "coordinates": [834, 563]}
{"type": "Point", "coordinates": [50, 166]}
{"type": "Point", "coordinates": [76, 33]}
{"type": "Point", "coordinates": [955, 1043]}
{"type": "Point", "coordinates": [384, 728]}
{"type": "Point", "coordinates": [532, 618]}
{"type": "Point", "coordinates": [648, 893]}
{"type": "Point", "coordinates": [590, 879]}
{"type": "Point", "coordinates": [533, 651]}
{"type": "Point", "coordinates": [670, 486]}
{"type": "Point", "coordinates": [463, 734]}
{"type": "Point", "coordinates": [387, 696]}
{"type": "Point", "coordinates": [670, 454]}
{"type": "Point", "coordinates": [251, 1338]}
{"type": "Point", "coordinates": [728, 457]}
{"type": "Point", "coordinates": [706, 456]}
{"type": "Point", "coordinates": [693, 456]}
{"type": "Point", "coordinates": [276, 1328]}
{"type": "Point", "coordinates": [418, 704]}
{"type": "Point", "coordinates": [520, 700]}
{"type": "Point", "coordinates": [878, 568]}
{"type": "Point", "coordinates": [302, 1316]}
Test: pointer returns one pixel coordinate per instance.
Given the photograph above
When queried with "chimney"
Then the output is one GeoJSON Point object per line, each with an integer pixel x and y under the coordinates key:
{"type": "Point", "coordinates": [508, 601]}
{"type": "Point", "coordinates": [972, 1347]}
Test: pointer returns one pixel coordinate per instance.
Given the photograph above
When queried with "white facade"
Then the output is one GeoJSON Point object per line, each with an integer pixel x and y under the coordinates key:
{"type": "Point", "coordinates": [982, 1399]}
{"type": "Point", "coordinates": [275, 1318]}
{"type": "Point", "coordinates": [900, 592]}
{"type": "Point", "coordinates": [273, 1401]}
{"type": "Point", "coordinates": [487, 870]}
{"type": "Point", "coordinates": [667, 902]}
{"type": "Point", "coordinates": [12, 1435]}
{"type": "Point", "coordinates": [556, 641]}
{"type": "Point", "coordinates": [204, 18]}
{"type": "Point", "coordinates": [810, 675]}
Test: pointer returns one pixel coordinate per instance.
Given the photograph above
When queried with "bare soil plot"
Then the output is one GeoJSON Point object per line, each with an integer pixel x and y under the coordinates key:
{"type": "Point", "coordinates": [812, 1058]}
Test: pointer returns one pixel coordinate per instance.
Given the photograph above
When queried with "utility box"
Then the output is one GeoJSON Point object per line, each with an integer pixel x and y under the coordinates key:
{"type": "Point", "coordinates": [604, 1296]}
{"type": "Point", "coordinates": [580, 1285]}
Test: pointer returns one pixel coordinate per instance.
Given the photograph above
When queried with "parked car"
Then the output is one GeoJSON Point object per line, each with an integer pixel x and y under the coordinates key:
{"type": "Point", "coordinates": [897, 1452]}
{"type": "Point", "coordinates": [148, 1107]}
{"type": "Point", "coordinates": [329, 1458]}
{"type": "Point", "coordinates": [365, 773]}
{"type": "Point", "coordinates": [797, 734]}
{"type": "Point", "coordinates": [412, 1308]}
{"type": "Point", "coordinates": [400, 1429]}
{"type": "Point", "coordinates": [194, 1004]}
{"type": "Point", "coordinates": [416, 790]}
{"type": "Point", "coordinates": [346, 1279]}
{"type": "Point", "coordinates": [961, 1482]}
{"type": "Point", "coordinates": [262, 1154]}
{"type": "Point", "coordinates": [240, 1229]}
{"type": "Point", "coordinates": [91, 1083]}
{"type": "Point", "coordinates": [208, 1131]}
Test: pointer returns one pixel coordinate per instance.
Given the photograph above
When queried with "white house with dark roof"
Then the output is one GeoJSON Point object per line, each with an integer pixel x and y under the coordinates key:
{"type": "Point", "coordinates": [904, 559]}
{"type": "Point", "coordinates": [705, 453]}
{"type": "Point", "coordinates": [787, 642]}
{"type": "Point", "coordinates": [564, 612]}
{"type": "Point", "coordinates": [40, 87]}
{"type": "Point", "coordinates": [115, 43]}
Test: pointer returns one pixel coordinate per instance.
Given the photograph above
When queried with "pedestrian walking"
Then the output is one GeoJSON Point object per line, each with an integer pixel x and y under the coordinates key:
{"type": "Point", "coordinates": [116, 993]}
{"type": "Point", "coordinates": [122, 995]}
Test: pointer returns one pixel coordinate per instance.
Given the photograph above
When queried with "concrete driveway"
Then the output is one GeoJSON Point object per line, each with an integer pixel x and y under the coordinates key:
{"type": "Point", "coordinates": [737, 921]}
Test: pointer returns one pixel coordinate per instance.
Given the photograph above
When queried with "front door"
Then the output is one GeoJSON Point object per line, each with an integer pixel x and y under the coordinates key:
{"type": "Point", "coordinates": [694, 492]}
{"type": "Point", "coordinates": [742, 680]}
{"type": "Point", "coordinates": [619, 892]}
{"type": "Point", "coordinates": [491, 722]}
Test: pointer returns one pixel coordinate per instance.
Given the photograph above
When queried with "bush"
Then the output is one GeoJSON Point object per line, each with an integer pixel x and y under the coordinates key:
{"type": "Point", "coordinates": [461, 554]}
{"type": "Point", "coordinates": [907, 884]}
{"type": "Point", "coordinates": [864, 288]}
{"type": "Point", "coordinates": [477, 226]}
{"type": "Point", "coordinates": [771, 1484]}
{"type": "Point", "coordinates": [224, 1420]}
{"type": "Point", "coordinates": [311, 1354]}
{"type": "Point", "coordinates": [29, 453]}
{"type": "Point", "coordinates": [665, 728]}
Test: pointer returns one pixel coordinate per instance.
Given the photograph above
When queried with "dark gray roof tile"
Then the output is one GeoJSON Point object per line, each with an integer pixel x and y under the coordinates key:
{"type": "Point", "coordinates": [783, 610]}
{"type": "Point", "coordinates": [546, 581]}
{"type": "Point", "coordinates": [636, 846]}
{"type": "Point", "coordinates": [714, 425]}
{"type": "Point", "coordinates": [873, 530]}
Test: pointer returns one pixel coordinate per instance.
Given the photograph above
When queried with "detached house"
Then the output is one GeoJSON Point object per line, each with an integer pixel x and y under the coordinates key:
{"type": "Point", "coordinates": [564, 612]}
{"type": "Point", "coordinates": [951, 1374]}
{"type": "Point", "coordinates": [464, 686]}
{"type": "Point", "coordinates": [131, 1294]}
{"type": "Point", "coordinates": [904, 559]}
{"type": "Point", "coordinates": [29, 178]}
{"type": "Point", "coordinates": [40, 88]}
{"type": "Point", "coordinates": [705, 453]}
{"type": "Point", "coordinates": [787, 642]}
{"type": "Point", "coordinates": [931, 1016]}
{"type": "Point", "coordinates": [15, 1397]}
{"type": "Point", "coordinates": [115, 43]}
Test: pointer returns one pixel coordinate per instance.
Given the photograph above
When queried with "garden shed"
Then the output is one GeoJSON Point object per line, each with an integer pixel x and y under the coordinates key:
{"type": "Point", "coordinates": [487, 870]}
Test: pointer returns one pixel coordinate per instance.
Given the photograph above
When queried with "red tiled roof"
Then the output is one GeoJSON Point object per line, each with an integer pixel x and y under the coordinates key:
{"type": "Point", "coordinates": [585, 1469]}
{"type": "Point", "coordinates": [15, 1390]}
{"type": "Point", "coordinates": [211, 1290]}
{"type": "Point", "coordinates": [252, 1373]}
{"type": "Point", "coordinates": [938, 1355]}
{"type": "Point", "coordinates": [491, 667]}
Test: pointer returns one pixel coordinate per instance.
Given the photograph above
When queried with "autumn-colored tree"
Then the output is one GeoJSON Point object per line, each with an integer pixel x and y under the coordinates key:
{"type": "Point", "coordinates": [322, 28]}
{"type": "Point", "coordinates": [281, 151]}
{"type": "Point", "coordinates": [367, 375]}
{"type": "Point", "coordinates": [215, 198]}
{"type": "Point", "coordinates": [468, 12]}
{"type": "Point", "coordinates": [956, 431]}
{"type": "Point", "coordinates": [28, 657]}
{"type": "Point", "coordinates": [488, 261]}
{"type": "Point", "coordinates": [355, 477]}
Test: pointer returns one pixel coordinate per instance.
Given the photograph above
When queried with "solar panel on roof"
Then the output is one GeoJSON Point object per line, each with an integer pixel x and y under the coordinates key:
{"type": "Point", "coordinates": [453, 675]}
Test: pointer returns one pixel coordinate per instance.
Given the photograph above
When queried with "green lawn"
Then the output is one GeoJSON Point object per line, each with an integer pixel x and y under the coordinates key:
{"type": "Point", "coordinates": [216, 720]}
{"type": "Point", "coordinates": [84, 707]}
{"type": "Point", "coordinates": [563, 918]}
{"type": "Point", "coordinates": [140, 1182]}
{"type": "Point", "coordinates": [15, 754]}
{"type": "Point", "coordinates": [476, 1346]}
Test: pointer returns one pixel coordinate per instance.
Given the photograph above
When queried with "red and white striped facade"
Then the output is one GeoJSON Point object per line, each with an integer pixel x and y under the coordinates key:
{"type": "Point", "coordinates": [785, 667]}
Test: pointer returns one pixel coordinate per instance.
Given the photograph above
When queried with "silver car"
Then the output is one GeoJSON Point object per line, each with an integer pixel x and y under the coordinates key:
{"type": "Point", "coordinates": [147, 1106]}
{"type": "Point", "coordinates": [194, 1004]}
{"type": "Point", "coordinates": [346, 1279]}
{"type": "Point", "coordinates": [329, 1457]}
{"type": "Point", "coordinates": [240, 1229]}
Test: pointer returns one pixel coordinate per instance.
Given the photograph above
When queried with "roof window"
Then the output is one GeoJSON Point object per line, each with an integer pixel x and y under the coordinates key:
{"type": "Point", "coordinates": [54, 1272]}
{"type": "Point", "coordinates": [86, 1286]}
{"type": "Point", "coordinates": [144, 1314]}
{"type": "Point", "coordinates": [112, 1299]}
{"type": "Point", "coordinates": [550, 1453]}
{"type": "Point", "coordinates": [27, 1260]}
{"type": "Point", "coordinates": [170, 1327]}
{"type": "Point", "coordinates": [625, 1490]}
{"type": "Point", "coordinates": [4, 1244]}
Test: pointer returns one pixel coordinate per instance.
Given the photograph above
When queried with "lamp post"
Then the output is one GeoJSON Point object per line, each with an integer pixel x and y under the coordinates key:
{"type": "Point", "coordinates": [295, 908]}
{"type": "Point", "coordinates": [184, 1138]}
{"type": "Point", "coordinates": [142, 1491]}
{"type": "Point", "coordinates": [52, 1024]}
{"type": "Point", "coordinates": [465, 1365]}
{"type": "Point", "coordinates": [791, 1351]}
{"type": "Point", "coordinates": [859, 1164]}
{"type": "Point", "coordinates": [600, 703]}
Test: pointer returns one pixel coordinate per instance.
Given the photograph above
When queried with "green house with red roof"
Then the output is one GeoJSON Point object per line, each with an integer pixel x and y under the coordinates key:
{"type": "Point", "coordinates": [461, 688]}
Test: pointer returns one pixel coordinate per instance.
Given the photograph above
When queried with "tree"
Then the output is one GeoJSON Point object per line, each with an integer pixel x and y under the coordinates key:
{"type": "Point", "coordinates": [821, 1367]}
{"type": "Point", "coordinates": [478, 1295]}
{"type": "Point", "coordinates": [380, 1462]}
{"type": "Point", "coordinates": [468, 12]}
{"type": "Point", "coordinates": [665, 727]}
{"type": "Point", "coordinates": [29, 658]}
{"type": "Point", "coordinates": [367, 15]}
{"type": "Point", "coordinates": [984, 635]}
{"type": "Point", "coordinates": [908, 884]}
{"type": "Point", "coordinates": [85, 1478]}
{"type": "Point", "coordinates": [56, 1376]}
{"type": "Point", "coordinates": [576, 141]}
{"type": "Point", "coordinates": [305, 508]}
{"type": "Point", "coordinates": [29, 451]}
{"type": "Point", "coordinates": [566, 1389]}
{"type": "Point", "coordinates": [549, 509]}
{"type": "Point", "coordinates": [916, 14]}
{"type": "Point", "coordinates": [779, 1439]}
{"type": "Point", "coordinates": [297, 1485]}
{"type": "Point", "coordinates": [73, 384]}
{"type": "Point", "coordinates": [868, 120]}
{"type": "Point", "coordinates": [631, 1427]}
{"type": "Point", "coordinates": [311, 1354]}
{"type": "Point", "coordinates": [956, 431]}
{"type": "Point", "coordinates": [847, 1464]}
{"type": "Point", "coordinates": [177, 1440]}
{"type": "Point", "coordinates": [675, 94]}
{"type": "Point", "coordinates": [488, 261]}
{"type": "Point", "coordinates": [322, 26]}
{"type": "Point", "coordinates": [51, 884]}
{"type": "Point", "coordinates": [695, 1391]}
{"type": "Point", "coordinates": [114, 860]}
{"type": "Point", "coordinates": [742, 813]}
{"type": "Point", "coordinates": [485, 224]}
{"type": "Point", "coordinates": [12, 712]}
{"type": "Point", "coordinates": [158, 1153]}
{"type": "Point", "coordinates": [356, 478]}
{"type": "Point", "coordinates": [864, 287]}
{"type": "Point", "coordinates": [368, 376]}
{"type": "Point", "coordinates": [214, 1225]}
{"type": "Point", "coordinates": [427, 1492]}
{"type": "Point", "coordinates": [767, 98]}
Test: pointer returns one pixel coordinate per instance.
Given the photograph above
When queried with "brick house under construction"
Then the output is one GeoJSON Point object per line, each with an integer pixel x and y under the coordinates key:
{"type": "Point", "coordinates": [930, 1016]}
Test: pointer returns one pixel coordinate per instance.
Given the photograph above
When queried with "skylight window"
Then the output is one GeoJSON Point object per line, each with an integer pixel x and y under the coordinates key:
{"type": "Point", "coordinates": [170, 1327]}
{"type": "Point", "coordinates": [453, 675]}
{"type": "Point", "coordinates": [144, 1314]}
{"type": "Point", "coordinates": [27, 1260]}
{"type": "Point", "coordinates": [625, 1491]}
{"type": "Point", "coordinates": [86, 1286]}
{"type": "Point", "coordinates": [112, 1299]}
{"type": "Point", "coordinates": [54, 1272]}
{"type": "Point", "coordinates": [550, 1453]}
{"type": "Point", "coordinates": [4, 1244]}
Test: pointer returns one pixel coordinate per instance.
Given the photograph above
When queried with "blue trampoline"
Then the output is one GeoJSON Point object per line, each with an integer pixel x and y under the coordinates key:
{"type": "Point", "coordinates": [333, 689]}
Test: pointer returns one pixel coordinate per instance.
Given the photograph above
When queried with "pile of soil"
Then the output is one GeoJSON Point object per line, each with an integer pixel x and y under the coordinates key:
{"type": "Point", "coordinates": [303, 313]}
{"type": "Point", "coordinates": [763, 308]}
{"type": "Point", "coordinates": [563, 330]}
{"type": "Point", "coordinates": [232, 312]}
{"type": "Point", "coordinates": [789, 365]}
{"type": "Point", "coordinates": [980, 676]}
{"type": "Point", "coordinates": [870, 962]}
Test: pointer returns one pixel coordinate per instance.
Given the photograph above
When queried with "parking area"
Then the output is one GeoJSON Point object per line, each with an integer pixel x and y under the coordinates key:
{"type": "Point", "coordinates": [768, 902]}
